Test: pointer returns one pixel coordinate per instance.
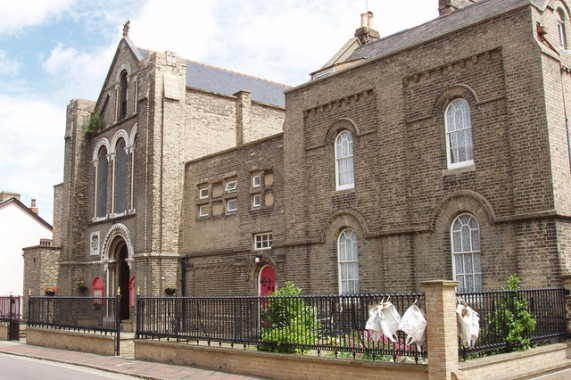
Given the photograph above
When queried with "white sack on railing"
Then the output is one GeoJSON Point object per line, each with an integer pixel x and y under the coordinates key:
{"type": "Point", "coordinates": [383, 320]}
{"type": "Point", "coordinates": [413, 323]}
{"type": "Point", "coordinates": [468, 322]}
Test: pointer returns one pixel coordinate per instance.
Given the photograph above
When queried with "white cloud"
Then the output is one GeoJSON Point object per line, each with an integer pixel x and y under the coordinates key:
{"type": "Point", "coordinates": [32, 149]}
{"type": "Point", "coordinates": [78, 74]}
{"type": "Point", "coordinates": [16, 15]}
{"type": "Point", "coordinates": [8, 66]}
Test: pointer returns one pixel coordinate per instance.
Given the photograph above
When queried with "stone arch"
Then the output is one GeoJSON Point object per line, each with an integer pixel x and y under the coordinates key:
{"type": "Point", "coordinates": [131, 140]}
{"type": "Point", "coordinates": [125, 66]}
{"type": "Point", "coordinates": [458, 202]}
{"type": "Point", "coordinates": [346, 218]}
{"type": "Point", "coordinates": [103, 142]}
{"type": "Point", "coordinates": [110, 241]}
{"type": "Point", "coordinates": [120, 134]}
{"type": "Point", "coordinates": [338, 126]}
{"type": "Point", "coordinates": [454, 92]}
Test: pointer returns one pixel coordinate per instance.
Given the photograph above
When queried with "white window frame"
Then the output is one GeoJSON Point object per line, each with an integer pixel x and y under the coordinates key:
{"type": "Point", "coordinates": [201, 212]}
{"type": "Point", "coordinates": [203, 193]}
{"type": "Point", "coordinates": [257, 180]}
{"type": "Point", "coordinates": [231, 187]}
{"type": "Point", "coordinates": [344, 164]}
{"type": "Point", "coordinates": [263, 241]}
{"type": "Point", "coordinates": [256, 200]}
{"type": "Point", "coordinates": [456, 135]}
{"type": "Point", "coordinates": [465, 247]}
{"type": "Point", "coordinates": [229, 203]}
{"type": "Point", "coordinates": [348, 262]}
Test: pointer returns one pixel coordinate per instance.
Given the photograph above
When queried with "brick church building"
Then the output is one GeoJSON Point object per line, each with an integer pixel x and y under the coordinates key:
{"type": "Point", "coordinates": [440, 152]}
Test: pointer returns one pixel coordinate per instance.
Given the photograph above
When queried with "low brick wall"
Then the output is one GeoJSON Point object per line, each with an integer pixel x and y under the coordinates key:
{"type": "Point", "coordinates": [275, 366]}
{"type": "Point", "coordinates": [3, 331]}
{"type": "Point", "coordinates": [515, 365]}
{"type": "Point", "coordinates": [86, 342]}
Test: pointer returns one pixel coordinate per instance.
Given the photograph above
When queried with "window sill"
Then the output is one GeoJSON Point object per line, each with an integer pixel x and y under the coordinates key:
{"type": "Point", "coordinates": [459, 170]}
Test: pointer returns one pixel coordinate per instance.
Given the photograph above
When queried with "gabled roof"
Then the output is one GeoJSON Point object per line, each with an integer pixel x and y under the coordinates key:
{"type": "Point", "coordinates": [209, 78]}
{"type": "Point", "coordinates": [226, 82]}
{"type": "Point", "coordinates": [19, 204]}
{"type": "Point", "coordinates": [459, 19]}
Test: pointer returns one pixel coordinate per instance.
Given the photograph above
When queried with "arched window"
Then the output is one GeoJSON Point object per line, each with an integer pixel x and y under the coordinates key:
{"type": "Point", "coordinates": [101, 184]}
{"type": "Point", "coordinates": [465, 238]}
{"type": "Point", "coordinates": [561, 28]}
{"type": "Point", "coordinates": [344, 161]}
{"type": "Point", "coordinates": [123, 95]}
{"type": "Point", "coordinates": [348, 260]}
{"type": "Point", "coordinates": [459, 146]}
{"type": "Point", "coordinates": [120, 177]}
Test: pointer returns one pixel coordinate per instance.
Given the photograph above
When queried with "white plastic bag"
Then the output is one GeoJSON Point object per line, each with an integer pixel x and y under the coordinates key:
{"type": "Point", "coordinates": [383, 320]}
{"type": "Point", "coordinates": [468, 321]}
{"type": "Point", "coordinates": [413, 324]}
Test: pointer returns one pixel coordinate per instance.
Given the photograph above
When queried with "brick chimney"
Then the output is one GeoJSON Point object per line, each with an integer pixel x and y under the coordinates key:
{"type": "Point", "coordinates": [448, 6]}
{"type": "Point", "coordinates": [366, 32]}
{"type": "Point", "coordinates": [34, 208]}
{"type": "Point", "coordinates": [5, 195]}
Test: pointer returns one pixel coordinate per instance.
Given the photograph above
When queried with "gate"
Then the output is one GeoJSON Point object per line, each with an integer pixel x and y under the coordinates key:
{"type": "Point", "coordinates": [10, 311]}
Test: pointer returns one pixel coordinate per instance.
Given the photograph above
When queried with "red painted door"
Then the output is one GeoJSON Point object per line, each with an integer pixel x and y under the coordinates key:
{"type": "Point", "coordinates": [267, 281]}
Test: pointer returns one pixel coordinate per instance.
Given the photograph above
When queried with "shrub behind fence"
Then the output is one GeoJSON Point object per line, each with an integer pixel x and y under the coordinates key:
{"type": "Point", "coordinates": [338, 323]}
{"type": "Point", "coordinates": [546, 306]}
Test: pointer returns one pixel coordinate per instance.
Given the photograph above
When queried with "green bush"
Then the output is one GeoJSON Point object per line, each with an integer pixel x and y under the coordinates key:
{"type": "Point", "coordinates": [287, 321]}
{"type": "Point", "coordinates": [94, 124]}
{"type": "Point", "coordinates": [511, 320]}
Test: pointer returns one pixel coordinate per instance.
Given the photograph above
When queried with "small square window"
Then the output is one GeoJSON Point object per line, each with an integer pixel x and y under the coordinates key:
{"type": "Point", "coordinates": [257, 180]}
{"type": "Point", "coordinates": [203, 211]}
{"type": "Point", "coordinates": [256, 200]}
{"type": "Point", "coordinates": [263, 241]}
{"type": "Point", "coordinates": [231, 205]}
{"type": "Point", "coordinates": [231, 186]}
{"type": "Point", "coordinates": [203, 193]}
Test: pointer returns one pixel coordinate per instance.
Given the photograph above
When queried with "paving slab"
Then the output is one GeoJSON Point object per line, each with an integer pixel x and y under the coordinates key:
{"type": "Point", "coordinates": [117, 364]}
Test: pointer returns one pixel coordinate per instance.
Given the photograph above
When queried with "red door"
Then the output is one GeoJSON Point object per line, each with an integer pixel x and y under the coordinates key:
{"type": "Point", "coordinates": [267, 284]}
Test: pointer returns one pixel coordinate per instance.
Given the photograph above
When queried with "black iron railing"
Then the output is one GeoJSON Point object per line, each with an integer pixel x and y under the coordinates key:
{"type": "Point", "coordinates": [90, 314]}
{"type": "Point", "coordinates": [11, 314]}
{"type": "Point", "coordinates": [10, 308]}
{"type": "Point", "coordinates": [331, 324]}
{"type": "Point", "coordinates": [546, 306]}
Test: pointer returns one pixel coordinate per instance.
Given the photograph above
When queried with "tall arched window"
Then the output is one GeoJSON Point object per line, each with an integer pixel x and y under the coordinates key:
{"type": "Point", "coordinates": [465, 238]}
{"type": "Point", "coordinates": [459, 146]}
{"type": "Point", "coordinates": [101, 183]}
{"type": "Point", "coordinates": [123, 95]}
{"type": "Point", "coordinates": [120, 177]}
{"type": "Point", "coordinates": [344, 161]}
{"type": "Point", "coordinates": [561, 28]}
{"type": "Point", "coordinates": [348, 261]}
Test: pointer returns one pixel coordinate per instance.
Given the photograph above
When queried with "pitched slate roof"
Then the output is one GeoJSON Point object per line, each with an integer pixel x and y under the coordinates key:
{"type": "Point", "coordinates": [209, 78]}
{"type": "Point", "coordinates": [454, 21]}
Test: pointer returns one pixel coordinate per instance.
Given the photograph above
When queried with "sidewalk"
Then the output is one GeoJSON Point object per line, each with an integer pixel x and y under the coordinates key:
{"type": "Point", "coordinates": [115, 364]}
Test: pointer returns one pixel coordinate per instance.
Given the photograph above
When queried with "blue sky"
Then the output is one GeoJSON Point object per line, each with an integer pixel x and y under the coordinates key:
{"type": "Point", "coordinates": [52, 51]}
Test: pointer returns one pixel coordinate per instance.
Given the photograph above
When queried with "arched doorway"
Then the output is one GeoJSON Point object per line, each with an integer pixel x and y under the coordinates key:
{"type": "Point", "coordinates": [267, 281]}
{"type": "Point", "coordinates": [122, 275]}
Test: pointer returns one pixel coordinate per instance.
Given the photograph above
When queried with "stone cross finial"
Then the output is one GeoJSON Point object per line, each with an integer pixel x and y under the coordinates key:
{"type": "Point", "coordinates": [126, 29]}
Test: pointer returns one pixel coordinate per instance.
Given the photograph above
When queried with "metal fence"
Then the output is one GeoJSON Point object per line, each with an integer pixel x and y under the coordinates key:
{"type": "Point", "coordinates": [93, 314]}
{"type": "Point", "coordinates": [11, 314]}
{"type": "Point", "coordinates": [546, 306]}
{"type": "Point", "coordinates": [10, 308]}
{"type": "Point", "coordinates": [331, 324]}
